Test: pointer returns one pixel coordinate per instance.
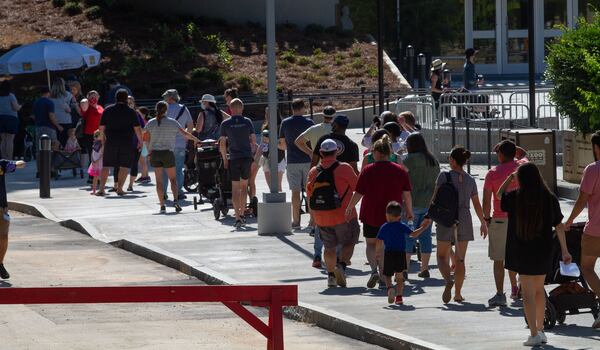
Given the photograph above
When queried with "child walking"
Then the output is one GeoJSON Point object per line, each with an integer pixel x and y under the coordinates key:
{"type": "Point", "coordinates": [393, 234]}
{"type": "Point", "coordinates": [96, 164]}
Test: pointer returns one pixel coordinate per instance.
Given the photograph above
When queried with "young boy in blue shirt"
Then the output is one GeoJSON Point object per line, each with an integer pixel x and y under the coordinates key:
{"type": "Point", "coordinates": [393, 234]}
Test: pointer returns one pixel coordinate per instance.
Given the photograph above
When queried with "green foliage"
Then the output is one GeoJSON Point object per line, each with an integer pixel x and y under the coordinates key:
{"type": "Point", "coordinates": [245, 82]}
{"type": "Point", "coordinates": [303, 61]}
{"type": "Point", "coordinates": [372, 71]}
{"type": "Point", "coordinates": [190, 53]}
{"type": "Point", "coordinates": [221, 48]}
{"type": "Point", "coordinates": [284, 64]}
{"type": "Point", "coordinates": [357, 63]}
{"type": "Point", "coordinates": [573, 64]}
{"type": "Point", "coordinates": [356, 51]}
{"type": "Point", "coordinates": [324, 72]}
{"type": "Point", "coordinates": [58, 3]}
{"type": "Point", "coordinates": [72, 8]}
{"type": "Point", "coordinates": [203, 77]}
{"type": "Point", "coordinates": [288, 55]}
{"type": "Point", "coordinates": [93, 12]}
{"type": "Point", "coordinates": [132, 66]}
{"type": "Point", "coordinates": [339, 59]}
{"type": "Point", "coordinates": [311, 77]}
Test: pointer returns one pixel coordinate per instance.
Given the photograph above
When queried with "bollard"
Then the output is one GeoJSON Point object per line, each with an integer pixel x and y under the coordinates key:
{"type": "Point", "coordinates": [45, 165]}
{"type": "Point", "coordinates": [468, 134]}
{"type": "Point", "coordinates": [422, 70]}
{"type": "Point", "coordinates": [362, 92]}
{"type": "Point", "coordinates": [489, 144]}
{"type": "Point", "coordinates": [310, 105]}
{"type": "Point", "coordinates": [410, 59]}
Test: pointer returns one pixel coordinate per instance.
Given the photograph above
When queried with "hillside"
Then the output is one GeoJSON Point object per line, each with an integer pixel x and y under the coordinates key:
{"type": "Point", "coordinates": [195, 56]}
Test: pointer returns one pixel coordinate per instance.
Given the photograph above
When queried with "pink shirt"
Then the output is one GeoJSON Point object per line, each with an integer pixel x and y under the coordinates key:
{"type": "Point", "coordinates": [589, 186]}
{"type": "Point", "coordinates": [496, 177]}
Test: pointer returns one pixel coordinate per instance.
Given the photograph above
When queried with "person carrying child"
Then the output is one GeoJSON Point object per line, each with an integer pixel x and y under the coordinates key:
{"type": "Point", "coordinates": [394, 234]}
{"type": "Point", "coordinates": [261, 157]}
{"type": "Point", "coordinates": [96, 164]}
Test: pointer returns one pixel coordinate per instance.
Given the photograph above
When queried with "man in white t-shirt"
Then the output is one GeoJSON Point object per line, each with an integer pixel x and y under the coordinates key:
{"type": "Point", "coordinates": [181, 114]}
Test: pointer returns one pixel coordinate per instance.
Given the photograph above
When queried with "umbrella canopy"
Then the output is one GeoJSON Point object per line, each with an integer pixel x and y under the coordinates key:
{"type": "Point", "coordinates": [48, 55]}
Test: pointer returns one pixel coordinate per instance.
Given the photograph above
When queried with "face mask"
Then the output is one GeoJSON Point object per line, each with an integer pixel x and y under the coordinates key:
{"type": "Point", "coordinates": [93, 100]}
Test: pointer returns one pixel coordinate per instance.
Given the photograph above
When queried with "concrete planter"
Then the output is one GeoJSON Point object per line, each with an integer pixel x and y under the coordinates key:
{"type": "Point", "coordinates": [577, 154]}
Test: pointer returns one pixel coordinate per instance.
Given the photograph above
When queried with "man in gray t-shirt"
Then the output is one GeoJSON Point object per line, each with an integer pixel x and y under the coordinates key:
{"type": "Point", "coordinates": [237, 136]}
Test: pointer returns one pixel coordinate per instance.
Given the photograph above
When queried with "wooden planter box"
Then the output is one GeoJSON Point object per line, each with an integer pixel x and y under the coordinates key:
{"type": "Point", "coordinates": [577, 154]}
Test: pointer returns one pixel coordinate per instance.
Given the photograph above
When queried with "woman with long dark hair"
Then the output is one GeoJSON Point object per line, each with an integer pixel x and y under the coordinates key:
{"type": "Point", "coordinates": [423, 171]}
{"type": "Point", "coordinates": [160, 134]}
{"type": "Point", "coordinates": [532, 213]}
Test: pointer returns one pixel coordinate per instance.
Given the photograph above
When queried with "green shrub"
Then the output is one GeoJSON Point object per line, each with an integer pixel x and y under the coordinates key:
{"type": "Point", "coordinates": [372, 71]}
{"type": "Point", "coordinates": [72, 8]}
{"type": "Point", "coordinates": [245, 82]}
{"type": "Point", "coordinates": [288, 55]}
{"type": "Point", "coordinates": [58, 3]}
{"type": "Point", "coordinates": [93, 12]}
{"type": "Point", "coordinates": [324, 72]}
{"type": "Point", "coordinates": [356, 51]}
{"type": "Point", "coordinates": [311, 77]}
{"type": "Point", "coordinates": [221, 48]}
{"type": "Point", "coordinates": [91, 3]}
{"type": "Point", "coordinates": [339, 59]}
{"type": "Point", "coordinates": [357, 63]}
{"type": "Point", "coordinates": [283, 64]}
{"type": "Point", "coordinates": [303, 61]}
{"type": "Point", "coordinates": [573, 64]}
{"type": "Point", "coordinates": [340, 76]}
{"type": "Point", "coordinates": [316, 64]}
{"type": "Point", "coordinates": [190, 53]}
{"type": "Point", "coordinates": [318, 53]}
{"type": "Point", "coordinates": [201, 77]}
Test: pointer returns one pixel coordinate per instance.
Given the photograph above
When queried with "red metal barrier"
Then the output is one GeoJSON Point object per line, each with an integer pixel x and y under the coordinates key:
{"type": "Point", "coordinates": [274, 297]}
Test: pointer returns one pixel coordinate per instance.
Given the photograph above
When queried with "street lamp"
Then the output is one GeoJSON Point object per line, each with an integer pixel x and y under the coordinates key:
{"type": "Point", "coordinates": [380, 29]}
{"type": "Point", "coordinates": [531, 42]}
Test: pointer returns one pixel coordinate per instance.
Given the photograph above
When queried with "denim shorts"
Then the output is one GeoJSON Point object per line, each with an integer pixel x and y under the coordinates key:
{"type": "Point", "coordinates": [425, 237]}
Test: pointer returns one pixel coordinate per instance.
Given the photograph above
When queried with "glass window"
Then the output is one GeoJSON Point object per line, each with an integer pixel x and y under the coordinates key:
{"type": "Point", "coordinates": [518, 50]}
{"type": "Point", "coordinates": [555, 13]}
{"type": "Point", "coordinates": [487, 50]}
{"type": "Point", "coordinates": [484, 14]}
{"type": "Point", "coordinates": [517, 12]}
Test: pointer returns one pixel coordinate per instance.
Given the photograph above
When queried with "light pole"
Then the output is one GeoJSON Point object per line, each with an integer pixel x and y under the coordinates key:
{"type": "Point", "coordinates": [380, 29]}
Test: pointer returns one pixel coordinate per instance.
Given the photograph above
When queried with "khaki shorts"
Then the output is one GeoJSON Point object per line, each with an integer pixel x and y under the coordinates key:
{"type": "Point", "coordinates": [590, 246]}
{"type": "Point", "coordinates": [497, 232]}
{"type": "Point", "coordinates": [344, 234]}
{"type": "Point", "coordinates": [4, 224]}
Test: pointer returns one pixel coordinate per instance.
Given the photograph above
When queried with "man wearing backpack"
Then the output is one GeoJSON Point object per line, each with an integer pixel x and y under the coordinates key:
{"type": "Point", "coordinates": [329, 189]}
{"type": "Point", "coordinates": [498, 221]}
{"type": "Point", "coordinates": [181, 114]}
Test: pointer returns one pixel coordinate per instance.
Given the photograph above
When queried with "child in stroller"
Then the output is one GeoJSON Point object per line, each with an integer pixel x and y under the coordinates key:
{"type": "Point", "coordinates": [69, 157]}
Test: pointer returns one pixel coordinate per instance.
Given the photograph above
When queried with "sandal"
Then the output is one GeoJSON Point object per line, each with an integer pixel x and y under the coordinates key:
{"type": "Point", "coordinates": [100, 194]}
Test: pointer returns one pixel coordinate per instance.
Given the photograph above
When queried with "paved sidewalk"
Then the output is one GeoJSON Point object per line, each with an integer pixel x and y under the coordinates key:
{"type": "Point", "coordinates": [43, 253]}
{"type": "Point", "coordinates": [247, 258]}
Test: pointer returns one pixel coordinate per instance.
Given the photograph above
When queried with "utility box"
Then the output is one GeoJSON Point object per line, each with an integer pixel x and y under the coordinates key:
{"type": "Point", "coordinates": [540, 145]}
{"type": "Point", "coordinates": [577, 154]}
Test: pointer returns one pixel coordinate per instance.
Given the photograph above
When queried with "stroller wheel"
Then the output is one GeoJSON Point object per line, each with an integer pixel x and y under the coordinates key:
{"type": "Point", "coordinates": [195, 203]}
{"type": "Point", "coordinates": [190, 180]}
{"type": "Point", "coordinates": [217, 208]}
{"type": "Point", "coordinates": [550, 317]}
{"type": "Point", "coordinates": [561, 317]}
{"type": "Point", "coordinates": [224, 209]}
{"type": "Point", "coordinates": [596, 311]}
{"type": "Point", "coordinates": [254, 206]}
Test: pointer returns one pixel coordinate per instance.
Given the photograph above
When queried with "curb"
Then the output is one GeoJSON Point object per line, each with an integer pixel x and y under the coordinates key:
{"type": "Point", "coordinates": [307, 313]}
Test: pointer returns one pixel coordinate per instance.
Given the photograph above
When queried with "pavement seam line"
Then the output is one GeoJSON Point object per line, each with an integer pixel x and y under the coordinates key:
{"type": "Point", "coordinates": [330, 320]}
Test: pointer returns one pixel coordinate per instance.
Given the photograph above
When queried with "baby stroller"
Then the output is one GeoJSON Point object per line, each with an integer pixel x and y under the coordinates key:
{"type": "Point", "coordinates": [201, 176]}
{"type": "Point", "coordinates": [209, 165]}
{"type": "Point", "coordinates": [573, 293]}
{"type": "Point", "coordinates": [62, 160]}
{"type": "Point", "coordinates": [29, 144]}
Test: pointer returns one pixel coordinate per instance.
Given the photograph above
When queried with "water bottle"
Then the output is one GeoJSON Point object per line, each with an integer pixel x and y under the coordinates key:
{"type": "Point", "coordinates": [411, 225]}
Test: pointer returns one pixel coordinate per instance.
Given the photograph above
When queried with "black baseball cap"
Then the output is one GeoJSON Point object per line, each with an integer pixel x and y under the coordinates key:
{"type": "Point", "coordinates": [506, 147]}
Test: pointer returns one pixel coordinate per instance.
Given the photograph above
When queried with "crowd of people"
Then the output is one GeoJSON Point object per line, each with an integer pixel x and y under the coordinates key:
{"type": "Point", "coordinates": [398, 183]}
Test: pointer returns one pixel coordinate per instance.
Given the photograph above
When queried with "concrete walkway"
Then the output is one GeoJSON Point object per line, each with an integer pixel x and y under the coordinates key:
{"type": "Point", "coordinates": [43, 253]}
{"type": "Point", "coordinates": [242, 256]}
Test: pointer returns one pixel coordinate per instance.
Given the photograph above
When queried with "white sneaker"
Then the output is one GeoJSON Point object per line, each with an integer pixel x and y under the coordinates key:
{"type": "Point", "coordinates": [596, 323]}
{"type": "Point", "coordinates": [331, 282]}
{"type": "Point", "coordinates": [533, 341]}
{"type": "Point", "coordinates": [543, 336]}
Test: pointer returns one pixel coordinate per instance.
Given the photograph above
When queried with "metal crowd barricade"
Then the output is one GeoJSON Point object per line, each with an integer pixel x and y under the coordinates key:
{"type": "Point", "coordinates": [502, 111]}
{"type": "Point", "coordinates": [549, 118]}
{"type": "Point", "coordinates": [423, 109]}
{"type": "Point", "coordinates": [275, 297]}
{"type": "Point", "coordinates": [481, 96]}
{"type": "Point", "coordinates": [542, 96]}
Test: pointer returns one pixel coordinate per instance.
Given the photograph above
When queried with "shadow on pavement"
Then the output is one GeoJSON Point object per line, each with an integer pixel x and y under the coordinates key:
{"type": "Point", "coordinates": [400, 307]}
{"type": "Point", "coordinates": [572, 330]}
{"type": "Point", "coordinates": [294, 280]}
{"type": "Point", "coordinates": [5, 284]}
{"type": "Point", "coordinates": [429, 282]}
{"type": "Point", "coordinates": [343, 291]}
{"type": "Point", "coordinates": [287, 241]}
{"type": "Point", "coordinates": [465, 307]}
{"type": "Point", "coordinates": [510, 312]}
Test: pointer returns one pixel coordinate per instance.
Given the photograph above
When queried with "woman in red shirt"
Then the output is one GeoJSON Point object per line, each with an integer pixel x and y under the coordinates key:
{"type": "Point", "coordinates": [378, 184]}
{"type": "Point", "coordinates": [91, 112]}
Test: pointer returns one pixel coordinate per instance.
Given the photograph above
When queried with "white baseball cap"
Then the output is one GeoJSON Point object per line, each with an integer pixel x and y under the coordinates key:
{"type": "Point", "coordinates": [329, 146]}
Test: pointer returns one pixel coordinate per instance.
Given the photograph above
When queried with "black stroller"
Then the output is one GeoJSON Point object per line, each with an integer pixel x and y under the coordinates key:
{"type": "Point", "coordinates": [62, 160]}
{"type": "Point", "coordinates": [573, 295]}
{"type": "Point", "coordinates": [214, 182]}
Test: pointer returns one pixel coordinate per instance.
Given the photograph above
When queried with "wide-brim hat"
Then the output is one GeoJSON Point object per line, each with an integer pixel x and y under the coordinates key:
{"type": "Point", "coordinates": [171, 93]}
{"type": "Point", "coordinates": [208, 98]}
{"type": "Point", "coordinates": [437, 64]}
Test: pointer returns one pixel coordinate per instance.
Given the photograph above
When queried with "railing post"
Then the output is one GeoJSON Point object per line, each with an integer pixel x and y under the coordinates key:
{"type": "Point", "coordinates": [468, 145]}
{"type": "Point", "coordinates": [290, 98]}
{"type": "Point", "coordinates": [374, 106]}
{"type": "Point", "coordinates": [387, 101]}
{"type": "Point", "coordinates": [310, 105]}
{"type": "Point", "coordinates": [410, 54]}
{"type": "Point", "coordinates": [489, 144]}
{"type": "Point", "coordinates": [421, 62]}
{"type": "Point", "coordinates": [453, 122]}
{"type": "Point", "coordinates": [362, 100]}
